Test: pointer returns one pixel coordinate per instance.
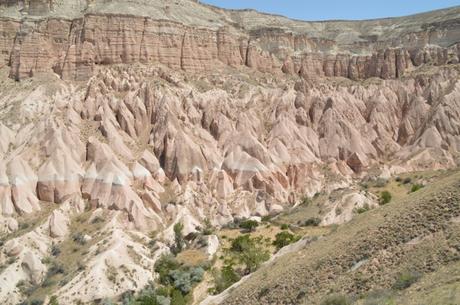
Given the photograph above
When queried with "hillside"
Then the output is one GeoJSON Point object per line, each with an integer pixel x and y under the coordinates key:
{"type": "Point", "coordinates": [365, 258]}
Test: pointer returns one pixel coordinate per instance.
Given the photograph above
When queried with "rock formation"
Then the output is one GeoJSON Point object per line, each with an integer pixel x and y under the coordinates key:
{"type": "Point", "coordinates": [142, 116]}
{"type": "Point", "coordinates": [102, 33]}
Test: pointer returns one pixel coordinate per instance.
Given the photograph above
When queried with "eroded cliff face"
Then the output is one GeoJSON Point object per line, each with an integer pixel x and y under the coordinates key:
{"type": "Point", "coordinates": [74, 47]}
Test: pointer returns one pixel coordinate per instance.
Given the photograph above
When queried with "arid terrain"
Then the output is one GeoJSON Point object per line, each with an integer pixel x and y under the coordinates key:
{"type": "Point", "coordinates": [170, 152]}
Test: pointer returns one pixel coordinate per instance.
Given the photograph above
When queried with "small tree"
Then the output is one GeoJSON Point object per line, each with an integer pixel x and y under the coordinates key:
{"type": "Point", "coordinates": [208, 228]}
{"type": "Point", "coordinates": [253, 257]}
{"type": "Point", "coordinates": [284, 238]}
{"type": "Point", "coordinates": [225, 278]}
{"type": "Point", "coordinates": [242, 243]}
{"type": "Point", "coordinates": [164, 265]}
{"type": "Point", "coordinates": [249, 225]}
{"type": "Point", "coordinates": [177, 298]}
{"type": "Point", "coordinates": [178, 238]}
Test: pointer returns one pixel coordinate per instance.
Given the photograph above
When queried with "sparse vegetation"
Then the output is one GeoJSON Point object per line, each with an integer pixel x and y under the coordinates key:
{"type": "Point", "coordinates": [248, 253]}
{"type": "Point", "coordinates": [338, 211]}
{"type": "Point", "coordinates": [249, 225]}
{"type": "Point", "coordinates": [79, 238]}
{"type": "Point", "coordinates": [311, 222]}
{"type": "Point", "coordinates": [381, 182]}
{"type": "Point", "coordinates": [336, 299]}
{"type": "Point", "coordinates": [176, 279]}
{"type": "Point", "coordinates": [284, 238]}
{"type": "Point", "coordinates": [385, 197]}
{"type": "Point", "coordinates": [224, 278]}
{"type": "Point", "coordinates": [379, 297]}
{"type": "Point", "coordinates": [242, 243]}
{"type": "Point", "coordinates": [406, 279]}
{"type": "Point", "coordinates": [178, 238]}
{"type": "Point", "coordinates": [407, 180]}
{"type": "Point", "coordinates": [53, 300]}
{"type": "Point", "coordinates": [416, 187]}
{"type": "Point", "coordinates": [363, 209]}
{"type": "Point", "coordinates": [306, 201]}
{"type": "Point", "coordinates": [284, 226]}
{"type": "Point", "coordinates": [55, 251]}
{"type": "Point", "coordinates": [208, 229]}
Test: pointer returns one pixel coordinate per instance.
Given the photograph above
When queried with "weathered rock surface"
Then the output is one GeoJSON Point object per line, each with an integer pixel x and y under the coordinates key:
{"type": "Point", "coordinates": [182, 119]}
{"type": "Point", "coordinates": [104, 34]}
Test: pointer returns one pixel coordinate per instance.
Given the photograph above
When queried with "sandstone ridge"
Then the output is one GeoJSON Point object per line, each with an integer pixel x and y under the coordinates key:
{"type": "Point", "coordinates": [43, 36]}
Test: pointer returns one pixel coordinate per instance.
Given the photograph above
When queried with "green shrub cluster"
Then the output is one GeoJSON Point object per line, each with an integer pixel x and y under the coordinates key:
{"type": "Point", "coordinates": [311, 222]}
{"type": "Point", "coordinates": [245, 253]}
{"type": "Point", "coordinates": [336, 299]}
{"type": "Point", "coordinates": [176, 282]}
{"type": "Point", "coordinates": [406, 279]}
{"type": "Point", "coordinates": [362, 209]}
{"type": "Point", "coordinates": [416, 187]}
{"type": "Point", "coordinates": [385, 197]}
{"type": "Point", "coordinates": [249, 225]}
{"type": "Point", "coordinates": [224, 278]}
{"type": "Point", "coordinates": [284, 238]}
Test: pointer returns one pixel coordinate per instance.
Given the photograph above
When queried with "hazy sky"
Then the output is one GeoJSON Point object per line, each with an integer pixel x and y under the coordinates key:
{"type": "Point", "coordinates": [337, 9]}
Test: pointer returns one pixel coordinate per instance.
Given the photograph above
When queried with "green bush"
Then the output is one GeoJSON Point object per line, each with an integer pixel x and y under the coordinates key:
{"type": "Point", "coordinates": [253, 257]}
{"type": "Point", "coordinates": [248, 253]}
{"type": "Point", "coordinates": [208, 228]}
{"type": "Point", "coordinates": [53, 300]}
{"type": "Point", "coordinates": [164, 265]}
{"type": "Point", "coordinates": [225, 278]}
{"type": "Point", "coordinates": [183, 279]}
{"type": "Point", "coordinates": [54, 269]}
{"type": "Point", "coordinates": [55, 251]}
{"type": "Point", "coordinates": [306, 200]}
{"type": "Point", "coordinates": [416, 187]}
{"type": "Point", "coordinates": [178, 238]}
{"type": "Point", "coordinates": [337, 299]}
{"type": "Point", "coordinates": [149, 296]}
{"type": "Point", "coordinates": [406, 279]}
{"type": "Point", "coordinates": [284, 238]}
{"type": "Point", "coordinates": [177, 298]}
{"type": "Point", "coordinates": [249, 225]}
{"type": "Point", "coordinates": [385, 197]}
{"type": "Point", "coordinates": [79, 238]}
{"type": "Point", "coordinates": [242, 243]}
{"type": "Point", "coordinates": [284, 226]}
{"type": "Point", "coordinates": [312, 222]}
{"type": "Point", "coordinates": [363, 209]}
{"type": "Point", "coordinates": [266, 218]}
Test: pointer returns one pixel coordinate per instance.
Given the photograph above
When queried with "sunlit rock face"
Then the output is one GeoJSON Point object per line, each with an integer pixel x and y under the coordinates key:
{"type": "Point", "coordinates": [72, 38]}
{"type": "Point", "coordinates": [153, 113]}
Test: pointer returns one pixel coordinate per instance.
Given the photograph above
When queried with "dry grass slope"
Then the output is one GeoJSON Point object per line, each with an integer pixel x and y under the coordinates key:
{"type": "Point", "coordinates": [419, 234]}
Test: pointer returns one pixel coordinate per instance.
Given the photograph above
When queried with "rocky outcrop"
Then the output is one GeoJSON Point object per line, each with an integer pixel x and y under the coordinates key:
{"type": "Point", "coordinates": [73, 48]}
{"type": "Point", "coordinates": [149, 121]}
